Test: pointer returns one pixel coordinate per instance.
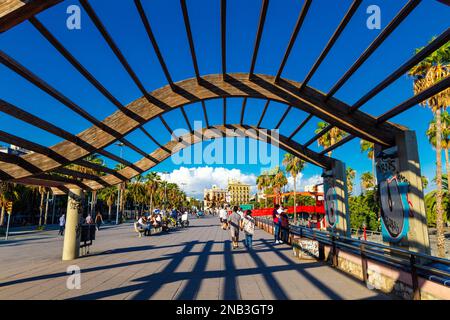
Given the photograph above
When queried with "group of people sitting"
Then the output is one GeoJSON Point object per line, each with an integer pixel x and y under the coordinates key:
{"type": "Point", "coordinates": [159, 219]}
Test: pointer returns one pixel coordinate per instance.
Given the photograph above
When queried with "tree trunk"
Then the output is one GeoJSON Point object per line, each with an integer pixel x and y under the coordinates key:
{"type": "Point", "coordinates": [2, 217]}
{"type": "Point", "coordinates": [295, 200]}
{"type": "Point", "coordinates": [447, 169]}
{"type": "Point", "coordinates": [46, 209]}
{"type": "Point", "coordinates": [439, 208]}
{"type": "Point", "coordinates": [41, 209]}
{"type": "Point", "coordinates": [109, 213]}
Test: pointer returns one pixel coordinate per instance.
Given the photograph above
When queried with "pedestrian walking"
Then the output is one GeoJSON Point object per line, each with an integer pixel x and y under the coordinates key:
{"type": "Point", "coordinates": [62, 224]}
{"type": "Point", "coordinates": [248, 224]}
{"type": "Point", "coordinates": [276, 223]}
{"type": "Point", "coordinates": [98, 220]}
{"type": "Point", "coordinates": [284, 226]}
{"type": "Point", "coordinates": [234, 222]}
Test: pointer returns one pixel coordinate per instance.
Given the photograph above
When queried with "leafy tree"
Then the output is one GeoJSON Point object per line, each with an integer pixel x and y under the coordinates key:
{"type": "Point", "coordinates": [351, 174]}
{"type": "Point", "coordinates": [427, 73]}
{"type": "Point", "coordinates": [294, 166]}
{"type": "Point", "coordinates": [331, 137]}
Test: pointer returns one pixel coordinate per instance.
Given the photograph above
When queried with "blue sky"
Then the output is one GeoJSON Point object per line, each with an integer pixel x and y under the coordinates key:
{"type": "Point", "coordinates": [27, 46]}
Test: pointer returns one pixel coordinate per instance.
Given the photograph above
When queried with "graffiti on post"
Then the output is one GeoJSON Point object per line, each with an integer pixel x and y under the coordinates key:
{"type": "Point", "coordinates": [393, 191]}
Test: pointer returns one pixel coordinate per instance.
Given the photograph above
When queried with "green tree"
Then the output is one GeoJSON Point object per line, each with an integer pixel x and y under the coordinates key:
{"type": "Point", "coordinates": [367, 181]}
{"type": "Point", "coordinates": [109, 195]}
{"type": "Point", "coordinates": [351, 175]}
{"type": "Point", "coordinates": [294, 166]}
{"type": "Point", "coordinates": [427, 73]}
{"type": "Point", "coordinates": [445, 138]}
{"type": "Point", "coordinates": [8, 193]}
{"type": "Point", "coordinates": [331, 137]}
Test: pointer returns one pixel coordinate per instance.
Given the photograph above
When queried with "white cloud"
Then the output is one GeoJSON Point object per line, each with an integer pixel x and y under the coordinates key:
{"type": "Point", "coordinates": [302, 182]}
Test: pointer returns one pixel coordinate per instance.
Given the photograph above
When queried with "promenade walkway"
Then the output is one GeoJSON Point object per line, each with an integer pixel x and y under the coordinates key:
{"type": "Point", "coordinates": [195, 263]}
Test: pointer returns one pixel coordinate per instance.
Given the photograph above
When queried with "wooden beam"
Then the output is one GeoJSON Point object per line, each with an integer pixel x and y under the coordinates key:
{"type": "Point", "coordinates": [417, 58]}
{"type": "Point", "coordinates": [338, 144]}
{"type": "Point", "coordinates": [205, 113]}
{"type": "Point", "coordinates": [300, 127]}
{"type": "Point", "coordinates": [266, 106]}
{"type": "Point", "coordinates": [406, 10]}
{"type": "Point", "coordinates": [252, 132]}
{"type": "Point", "coordinates": [413, 101]}
{"type": "Point", "coordinates": [152, 38]}
{"type": "Point", "coordinates": [318, 135]}
{"type": "Point", "coordinates": [109, 40]}
{"type": "Point", "coordinates": [223, 30]}
{"type": "Point", "coordinates": [212, 87]}
{"type": "Point", "coordinates": [262, 20]}
{"type": "Point", "coordinates": [348, 16]}
{"type": "Point", "coordinates": [83, 71]}
{"type": "Point", "coordinates": [298, 25]}
{"type": "Point", "coordinates": [44, 86]}
{"type": "Point", "coordinates": [13, 12]}
{"type": "Point", "coordinates": [187, 25]}
{"type": "Point", "coordinates": [244, 105]}
{"type": "Point", "coordinates": [224, 101]}
{"type": "Point", "coordinates": [283, 117]}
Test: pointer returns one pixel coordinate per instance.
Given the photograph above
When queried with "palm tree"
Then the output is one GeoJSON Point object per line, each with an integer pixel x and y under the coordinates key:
{"type": "Point", "coordinates": [427, 73]}
{"type": "Point", "coordinates": [8, 193]}
{"type": "Point", "coordinates": [331, 137]}
{"type": "Point", "coordinates": [369, 148]}
{"type": "Point", "coordinates": [136, 191]}
{"type": "Point", "coordinates": [278, 180]}
{"type": "Point", "coordinates": [262, 182]}
{"type": "Point", "coordinates": [42, 192]}
{"type": "Point", "coordinates": [294, 166]}
{"type": "Point", "coordinates": [109, 195]}
{"type": "Point", "coordinates": [424, 182]}
{"type": "Point", "coordinates": [367, 181]}
{"type": "Point", "coordinates": [351, 174]}
{"type": "Point", "coordinates": [445, 137]}
{"type": "Point", "coordinates": [151, 186]}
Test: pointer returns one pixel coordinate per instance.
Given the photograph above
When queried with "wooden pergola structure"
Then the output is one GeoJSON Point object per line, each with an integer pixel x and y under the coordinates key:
{"type": "Point", "coordinates": [39, 167]}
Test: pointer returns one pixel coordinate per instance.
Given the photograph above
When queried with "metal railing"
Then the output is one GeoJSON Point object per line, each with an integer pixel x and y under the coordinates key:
{"type": "Point", "coordinates": [417, 264]}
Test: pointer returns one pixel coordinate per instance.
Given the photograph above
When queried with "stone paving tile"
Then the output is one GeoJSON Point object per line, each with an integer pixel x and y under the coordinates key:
{"type": "Point", "coordinates": [194, 263]}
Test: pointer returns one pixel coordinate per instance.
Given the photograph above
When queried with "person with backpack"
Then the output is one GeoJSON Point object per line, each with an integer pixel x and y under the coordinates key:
{"type": "Point", "coordinates": [276, 223]}
{"type": "Point", "coordinates": [284, 226]}
{"type": "Point", "coordinates": [248, 224]}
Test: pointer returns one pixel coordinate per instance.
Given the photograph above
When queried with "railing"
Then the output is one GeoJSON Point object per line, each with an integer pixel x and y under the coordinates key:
{"type": "Point", "coordinates": [412, 262]}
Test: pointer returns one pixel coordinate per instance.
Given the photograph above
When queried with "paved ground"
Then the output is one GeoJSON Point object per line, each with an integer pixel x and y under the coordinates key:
{"type": "Point", "coordinates": [194, 263]}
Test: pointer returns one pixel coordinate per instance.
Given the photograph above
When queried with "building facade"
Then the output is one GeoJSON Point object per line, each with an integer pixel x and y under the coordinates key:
{"type": "Point", "coordinates": [12, 149]}
{"type": "Point", "coordinates": [238, 192]}
{"type": "Point", "coordinates": [214, 197]}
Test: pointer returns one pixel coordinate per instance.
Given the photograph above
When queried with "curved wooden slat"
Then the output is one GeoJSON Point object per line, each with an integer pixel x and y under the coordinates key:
{"type": "Point", "coordinates": [213, 87]}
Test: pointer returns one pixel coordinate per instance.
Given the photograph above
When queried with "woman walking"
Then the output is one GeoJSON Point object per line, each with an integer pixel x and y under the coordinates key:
{"type": "Point", "coordinates": [234, 222]}
{"type": "Point", "coordinates": [248, 224]}
{"type": "Point", "coordinates": [98, 220]}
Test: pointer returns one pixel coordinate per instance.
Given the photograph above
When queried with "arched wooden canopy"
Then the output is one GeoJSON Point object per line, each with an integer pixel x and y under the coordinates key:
{"type": "Point", "coordinates": [39, 166]}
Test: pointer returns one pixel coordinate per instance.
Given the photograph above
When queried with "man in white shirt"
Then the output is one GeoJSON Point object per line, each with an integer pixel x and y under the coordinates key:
{"type": "Point", "coordinates": [223, 215]}
{"type": "Point", "coordinates": [62, 224]}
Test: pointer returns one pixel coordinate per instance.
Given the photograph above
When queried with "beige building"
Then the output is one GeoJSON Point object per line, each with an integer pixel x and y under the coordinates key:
{"type": "Point", "coordinates": [238, 192]}
{"type": "Point", "coordinates": [214, 197]}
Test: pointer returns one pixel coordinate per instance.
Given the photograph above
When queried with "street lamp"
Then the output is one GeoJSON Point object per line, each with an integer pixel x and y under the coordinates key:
{"type": "Point", "coordinates": [120, 145]}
